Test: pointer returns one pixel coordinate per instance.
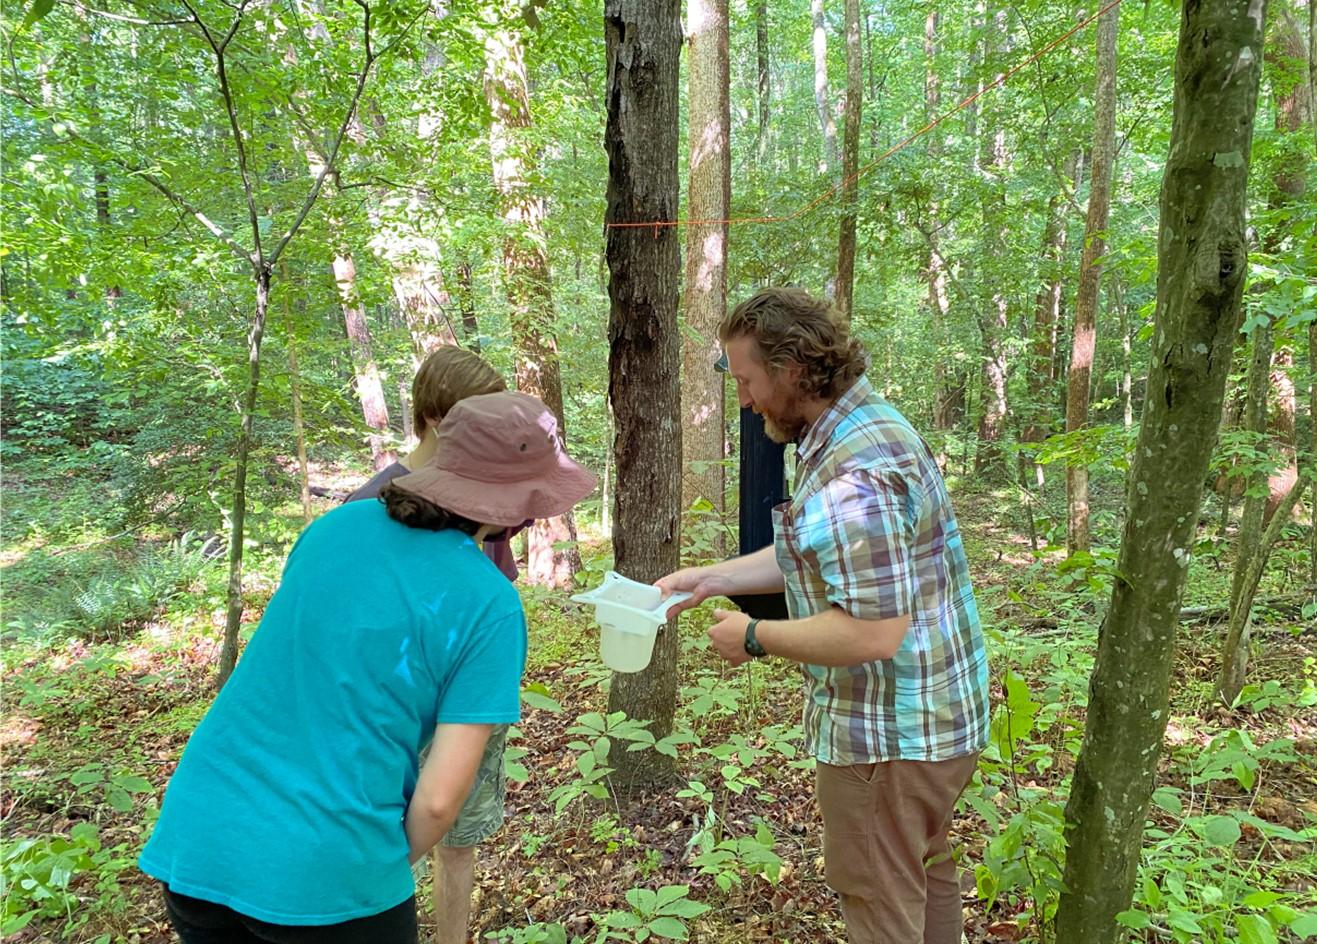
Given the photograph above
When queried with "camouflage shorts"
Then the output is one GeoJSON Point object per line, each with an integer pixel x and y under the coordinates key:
{"type": "Point", "coordinates": [482, 814]}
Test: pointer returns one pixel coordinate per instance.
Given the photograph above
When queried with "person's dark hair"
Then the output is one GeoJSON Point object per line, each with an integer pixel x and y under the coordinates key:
{"type": "Point", "coordinates": [792, 327]}
{"type": "Point", "coordinates": [414, 511]}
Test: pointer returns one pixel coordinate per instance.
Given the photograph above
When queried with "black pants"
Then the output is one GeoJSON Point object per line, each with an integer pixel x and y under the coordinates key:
{"type": "Point", "coordinates": [204, 922]}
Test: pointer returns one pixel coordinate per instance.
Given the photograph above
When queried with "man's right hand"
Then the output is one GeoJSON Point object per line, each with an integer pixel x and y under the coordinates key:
{"type": "Point", "coordinates": [700, 582]}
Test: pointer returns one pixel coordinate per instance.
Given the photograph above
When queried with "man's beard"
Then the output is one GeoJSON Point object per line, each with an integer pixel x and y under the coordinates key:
{"type": "Point", "coordinates": [788, 429]}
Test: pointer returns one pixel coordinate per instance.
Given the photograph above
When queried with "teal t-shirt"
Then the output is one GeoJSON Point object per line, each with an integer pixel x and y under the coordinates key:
{"type": "Point", "coordinates": [288, 802]}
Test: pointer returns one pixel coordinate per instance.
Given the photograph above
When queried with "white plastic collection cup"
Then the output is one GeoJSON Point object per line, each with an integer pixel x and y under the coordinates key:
{"type": "Point", "coordinates": [629, 614]}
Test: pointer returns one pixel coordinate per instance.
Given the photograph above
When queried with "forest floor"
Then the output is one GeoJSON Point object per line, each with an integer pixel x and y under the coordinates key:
{"type": "Point", "coordinates": [92, 729]}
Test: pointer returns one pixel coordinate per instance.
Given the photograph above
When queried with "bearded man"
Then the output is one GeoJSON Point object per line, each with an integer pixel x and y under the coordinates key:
{"type": "Point", "coordinates": [882, 617]}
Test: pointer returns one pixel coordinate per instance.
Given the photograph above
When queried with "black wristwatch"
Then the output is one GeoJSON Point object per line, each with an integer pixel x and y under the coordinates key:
{"type": "Point", "coordinates": [751, 643]}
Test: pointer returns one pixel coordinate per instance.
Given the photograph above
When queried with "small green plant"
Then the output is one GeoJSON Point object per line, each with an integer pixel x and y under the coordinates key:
{"type": "Point", "coordinates": [662, 913]}
{"type": "Point", "coordinates": [94, 783]}
{"type": "Point", "coordinates": [592, 761]}
{"type": "Point", "coordinates": [38, 875]}
{"type": "Point", "coordinates": [730, 860]}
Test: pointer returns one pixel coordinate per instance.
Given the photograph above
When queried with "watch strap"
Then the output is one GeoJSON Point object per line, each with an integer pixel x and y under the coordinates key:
{"type": "Point", "coordinates": [752, 645]}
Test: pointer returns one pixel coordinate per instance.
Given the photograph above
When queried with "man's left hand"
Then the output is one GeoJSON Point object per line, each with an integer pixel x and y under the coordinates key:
{"type": "Point", "coordinates": [728, 636]}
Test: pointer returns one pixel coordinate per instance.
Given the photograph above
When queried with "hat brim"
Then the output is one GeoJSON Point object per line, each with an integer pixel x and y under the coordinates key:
{"type": "Point", "coordinates": [506, 504]}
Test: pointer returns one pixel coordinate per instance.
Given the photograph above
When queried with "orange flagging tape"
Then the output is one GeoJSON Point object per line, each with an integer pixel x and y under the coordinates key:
{"type": "Point", "coordinates": [831, 191]}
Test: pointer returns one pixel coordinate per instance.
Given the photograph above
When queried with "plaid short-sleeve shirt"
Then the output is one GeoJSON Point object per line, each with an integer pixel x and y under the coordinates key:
{"type": "Point", "coordinates": [870, 529]}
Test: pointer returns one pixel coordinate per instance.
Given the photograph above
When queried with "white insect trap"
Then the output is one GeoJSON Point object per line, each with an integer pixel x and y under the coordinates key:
{"type": "Point", "coordinates": [629, 614]}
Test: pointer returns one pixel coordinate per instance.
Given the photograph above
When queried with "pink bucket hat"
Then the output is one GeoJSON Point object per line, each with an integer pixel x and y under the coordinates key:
{"type": "Point", "coordinates": [499, 462]}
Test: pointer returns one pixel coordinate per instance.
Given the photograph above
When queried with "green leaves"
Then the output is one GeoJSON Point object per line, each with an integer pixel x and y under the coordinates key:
{"type": "Point", "coordinates": [37, 11]}
{"type": "Point", "coordinates": [1221, 831]}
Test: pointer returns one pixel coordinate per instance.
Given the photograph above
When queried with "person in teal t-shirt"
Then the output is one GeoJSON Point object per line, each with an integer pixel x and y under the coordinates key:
{"type": "Point", "coordinates": [299, 804]}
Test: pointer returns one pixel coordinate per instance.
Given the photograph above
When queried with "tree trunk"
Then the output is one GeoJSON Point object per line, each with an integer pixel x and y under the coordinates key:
{"type": "Point", "coordinates": [1202, 262]}
{"type": "Point", "coordinates": [850, 165]}
{"type": "Point", "coordinates": [993, 317]}
{"type": "Point", "coordinates": [831, 159]}
{"type": "Point", "coordinates": [299, 429]}
{"type": "Point", "coordinates": [1117, 296]}
{"type": "Point", "coordinates": [238, 518]}
{"type": "Point", "coordinates": [710, 195]}
{"type": "Point", "coordinates": [935, 270]}
{"type": "Point", "coordinates": [1047, 314]}
{"type": "Point", "coordinates": [1090, 271]}
{"type": "Point", "coordinates": [761, 54]}
{"type": "Point", "coordinates": [1284, 63]}
{"type": "Point", "coordinates": [1282, 428]}
{"type": "Point", "coordinates": [552, 555]}
{"type": "Point", "coordinates": [643, 41]}
{"type": "Point", "coordinates": [1234, 654]}
{"type": "Point", "coordinates": [466, 302]}
{"type": "Point", "coordinates": [370, 391]}
{"type": "Point", "coordinates": [422, 302]}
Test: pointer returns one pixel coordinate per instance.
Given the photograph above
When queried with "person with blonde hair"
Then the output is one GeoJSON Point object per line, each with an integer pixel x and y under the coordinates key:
{"type": "Point", "coordinates": [302, 800]}
{"type": "Point", "coordinates": [446, 377]}
{"type": "Point", "coordinates": [882, 618]}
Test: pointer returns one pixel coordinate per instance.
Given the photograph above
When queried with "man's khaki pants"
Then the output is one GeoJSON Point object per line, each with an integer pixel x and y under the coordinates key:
{"type": "Point", "coordinates": [885, 848]}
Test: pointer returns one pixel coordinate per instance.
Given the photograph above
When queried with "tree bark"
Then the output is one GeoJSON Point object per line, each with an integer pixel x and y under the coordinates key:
{"type": "Point", "coordinates": [1090, 272]}
{"type": "Point", "coordinates": [1116, 293]}
{"type": "Point", "coordinates": [422, 300]}
{"type": "Point", "coordinates": [1202, 262]}
{"type": "Point", "coordinates": [831, 158]}
{"type": "Point", "coordinates": [370, 390]}
{"type": "Point", "coordinates": [643, 41]}
{"type": "Point", "coordinates": [850, 164]}
{"type": "Point", "coordinates": [710, 194]}
{"type": "Point", "coordinates": [238, 519]}
{"type": "Point", "coordinates": [1039, 410]}
{"type": "Point", "coordinates": [466, 302]}
{"type": "Point", "coordinates": [552, 555]}
{"type": "Point", "coordinates": [993, 317]}
{"type": "Point", "coordinates": [299, 429]}
{"type": "Point", "coordinates": [1234, 653]}
{"type": "Point", "coordinates": [948, 390]}
{"type": "Point", "coordinates": [761, 54]}
{"type": "Point", "coordinates": [1291, 94]}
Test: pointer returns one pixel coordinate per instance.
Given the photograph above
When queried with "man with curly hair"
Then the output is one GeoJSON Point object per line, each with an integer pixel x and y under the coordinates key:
{"type": "Point", "coordinates": [882, 617]}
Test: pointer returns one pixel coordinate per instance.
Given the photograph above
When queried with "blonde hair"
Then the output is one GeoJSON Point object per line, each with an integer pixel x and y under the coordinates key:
{"type": "Point", "coordinates": [793, 328]}
{"type": "Point", "coordinates": [447, 375]}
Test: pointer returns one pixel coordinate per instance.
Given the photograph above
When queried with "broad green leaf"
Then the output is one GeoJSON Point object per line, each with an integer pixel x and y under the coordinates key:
{"type": "Point", "coordinates": [132, 783]}
{"type": "Point", "coordinates": [1305, 926]}
{"type": "Point", "coordinates": [1221, 831]}
{"type": "Point", "coordinates": [1138, 920]}
{"type": "Point", "coordinates": [670, 928]}
{"type": "Point", "coordinates": [36, 12]}
{"type": "Point", "coordinates": [1254, 929]}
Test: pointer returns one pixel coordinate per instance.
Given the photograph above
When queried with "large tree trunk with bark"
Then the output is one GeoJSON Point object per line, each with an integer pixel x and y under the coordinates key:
{"type": "Point", "coordinates": [643, 41]}
{"type": "Point", "coordinates": [552, 555]}
{"type": "Point", "coordinates": [370, 390]}
{"type": "Point", "coordinates": [703, 433]}
{"type": "Point", "coordinates": [1202, 262]}
{"type": "Point", "coordinates": [1084, 341]}
{"type": "Point", "coordinates": [850, 161]}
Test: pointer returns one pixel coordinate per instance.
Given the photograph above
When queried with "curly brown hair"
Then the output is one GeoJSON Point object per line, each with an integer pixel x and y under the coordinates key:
{"type": "Point", "coordinates": [793, 328]}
